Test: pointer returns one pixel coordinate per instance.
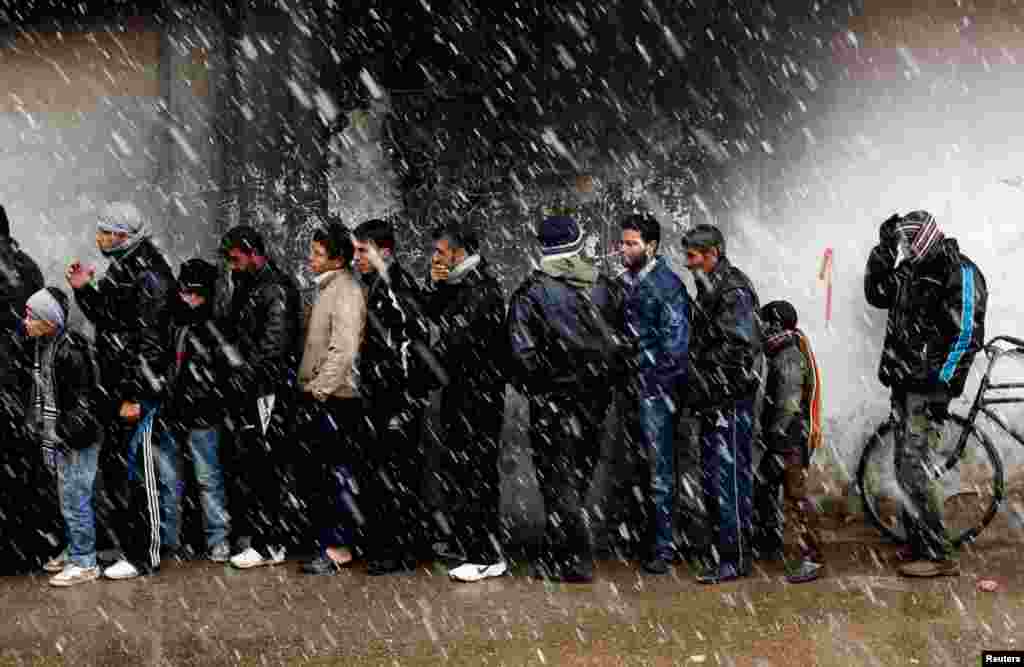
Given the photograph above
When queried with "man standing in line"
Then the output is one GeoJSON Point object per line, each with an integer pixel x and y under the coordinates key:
{"type": "Point", "coordinates": [466, 304]}
{"type": "Point", "coordinates": [657, 319]}
{"type": "Point", "coordinates": [129, 307]}
{"type": "Point", "coordinates": [725, 352]}
{"type": "Point", "coordinates": [394, 389]}
{"type": "Point", "coordinates": [330, 415]}
{"type": "Point", "coordinates": [564, 355]}
{"type": "Point", "coordinates": [936, 298]}
{"type": "Point", "coordinates": [20, 277]}
{"type": "Point", "coordinates": [61, 416]}
{"type": "Point", "coordinates": [193, 410]}
{"type": "Point", "coordinates": [265, 317]}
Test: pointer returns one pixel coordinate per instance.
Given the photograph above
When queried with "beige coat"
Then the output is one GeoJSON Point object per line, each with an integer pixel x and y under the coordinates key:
{"type": "Point", "coordinates": [334, 331]}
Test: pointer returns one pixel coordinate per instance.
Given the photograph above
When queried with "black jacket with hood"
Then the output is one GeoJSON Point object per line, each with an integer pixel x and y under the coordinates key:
{"type": "Point", "coordinates": [936, 320]}
{"type": "Point", "coordinates": [130, 308]}
{"type": "Point", "coordinates": [196, 396]}
{"type": "Point", "coordinates": [78, 392]}
{"type": "Point", "coordinates": [548, 327]}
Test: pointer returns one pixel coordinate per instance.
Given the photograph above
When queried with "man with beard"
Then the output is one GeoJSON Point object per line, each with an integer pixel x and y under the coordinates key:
{"type": "Point", "coordinates": [936, 298]}
{"type": "Point", "coordinates": [394, 389]}
{"type": "Point", "coordinates": [193, 410]}
{"type": "Point", "coordinates": [563, 359]}
{"type": "Point", "coordinates": [265, 318]}
{"type": "Point", "coordinates": [725, 352]}
{"type": "Point", "coordinates": [466, 304]}
{"type": "Point", "coordinates": [657, 319]}
{"type": "Point", "coordinates": [129, 308]}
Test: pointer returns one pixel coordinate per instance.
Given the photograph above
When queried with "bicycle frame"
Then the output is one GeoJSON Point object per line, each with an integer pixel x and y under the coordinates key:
{"type": "Point", "coordinates": [982, 401]}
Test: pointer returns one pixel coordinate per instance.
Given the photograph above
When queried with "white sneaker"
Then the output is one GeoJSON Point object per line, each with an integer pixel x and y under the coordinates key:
{"type": "Point", "coordinates": [57, 563]}
{"type": "Point", "coordinates": [470, 572]}
{"type": "Point", "coordinates": [220, 553]}
{"type": "Point", "coordinates": [73, 574]}
{"type": "Point", "coordinates": [122, 569]}
{"type": "Point", "coordinates": [251, 558]}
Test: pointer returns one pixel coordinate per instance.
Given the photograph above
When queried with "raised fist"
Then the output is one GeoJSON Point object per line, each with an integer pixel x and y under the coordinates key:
{"type": "Point", "coordinates": [889, 232]}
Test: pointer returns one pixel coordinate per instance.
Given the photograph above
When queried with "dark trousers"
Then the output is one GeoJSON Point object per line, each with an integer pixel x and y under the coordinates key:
{"type": "Point", "coordinates": [727, 476]}
{"type": "Point", "coordinates": [128, 503]}
{"type": "Point", "coordinates": [790, 526]}
{"type": "Point", "coordinates": [31, 529]}
{"type": "Point", "coordinates": [327, 433]}
{"type": "Point", "coordinates": [472, 417]}
{"type": "Point", "coordinates": [564, 437]}
{"type": "Point", "coordinates": [391, 479]}
{"type": "Point", "coordinates": [255, 474]}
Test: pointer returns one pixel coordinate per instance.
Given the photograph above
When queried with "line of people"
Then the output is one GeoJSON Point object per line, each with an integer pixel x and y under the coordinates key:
{"type": "Point", "coordinates": [312, 405]}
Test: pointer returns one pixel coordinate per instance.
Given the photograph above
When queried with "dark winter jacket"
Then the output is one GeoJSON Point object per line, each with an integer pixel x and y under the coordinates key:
{"type": "Point", "coordinates": [725, 338]}
{"type": "Point", "coordinates": [77, 389]}
{"type": "Point", "coordinates": [20, 278]}
{"type": "Point", "coordinates": [657, 318]}
{"type": "Point", "coordinates": [470, 314]}
{"type": "Point", "coordinates": [196, 380]}
{"type": "Point", "coordinates": [392, 361]}
{"type": "Point", "coordinates": [264, 322]}
{"type": "Point", "coordinates": [550, 338]}
{"type": "Point", "coordinates": [936, 318]}
{"type": "Point", "coordinates": [789, 389]}
{"type": "Point", "coordinates": [130, 308]}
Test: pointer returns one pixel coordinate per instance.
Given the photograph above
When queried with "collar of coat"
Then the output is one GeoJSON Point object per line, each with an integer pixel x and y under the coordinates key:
{"type": "Point", "coordinates": [465, 268]}
{"type": "Point", "coordinates": [325, 278]}
{"type": "Point", "coordinates": [634, 279]}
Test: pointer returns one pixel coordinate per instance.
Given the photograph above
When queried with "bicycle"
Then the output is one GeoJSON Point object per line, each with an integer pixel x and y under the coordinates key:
{"type": "Point", "coordinates": [967, 470]}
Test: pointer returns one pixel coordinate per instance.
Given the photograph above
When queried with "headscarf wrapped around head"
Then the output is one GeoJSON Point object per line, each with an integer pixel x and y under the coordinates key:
{"type": "Point", "coordinates": [49, 304]}
{"type": "Point", "coordinates": [921, 232]}
{"type": "Point", "coordinates": [123, 218]}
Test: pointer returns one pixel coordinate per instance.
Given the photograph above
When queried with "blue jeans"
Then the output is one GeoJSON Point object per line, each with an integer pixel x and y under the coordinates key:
{"type": "Point", "coordinates": [204, 446]}
{"type": "Point", "coordinates": [657, 434]}
{"type": "Point", "coordinates": [728, 479]}
{"type": "Point", "coordinates": [76, 476]}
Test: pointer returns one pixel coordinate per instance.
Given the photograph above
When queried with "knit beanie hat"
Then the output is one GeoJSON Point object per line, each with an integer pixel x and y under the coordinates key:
{"type": "Point", "coordinates": [780, 314]}
{"type": "Point", "coordinates": [921, 233]}
{"type": "Point", "coordinates": [49, 304]}
{"type": "Point", "coordinates": [199, 276]}
{"type": "Point", "coordinates": [559, 236]}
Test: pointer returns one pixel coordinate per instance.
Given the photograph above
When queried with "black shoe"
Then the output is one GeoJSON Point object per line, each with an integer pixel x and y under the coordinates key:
{"type": "Point", "coordinates": [382, 566]}
{"type": "Point", "coordinates": [656, 565]}
{"type": "Point", "coordinates": [580, 573]}
{"type": "Point", "coordinates": [320, 566]}
{"type": "Point", "coordinates": [721, 574]}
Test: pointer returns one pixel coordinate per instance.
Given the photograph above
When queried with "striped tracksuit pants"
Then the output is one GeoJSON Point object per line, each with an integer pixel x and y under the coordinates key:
{"type": "Point", "coordinates": [129, 505]}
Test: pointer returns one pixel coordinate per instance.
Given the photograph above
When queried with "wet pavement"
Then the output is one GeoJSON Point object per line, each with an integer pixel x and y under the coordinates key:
{"type": "Point", "coordinates": [861, 613]}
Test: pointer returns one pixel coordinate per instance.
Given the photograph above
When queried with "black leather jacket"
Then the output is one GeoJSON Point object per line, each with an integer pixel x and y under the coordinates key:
{"type": "Point", "coordinates": [391, 360]}
{"type": "Point", "coordinates": [20, 278]}
{"type": "Point", "coordinates": [196, 387]}
{"type": "Point", "coordinates": [129, 307]}
{"type": "Point", "coordinates": [725, 338]}
{"type": "Point", "coordinates": [265, 322]}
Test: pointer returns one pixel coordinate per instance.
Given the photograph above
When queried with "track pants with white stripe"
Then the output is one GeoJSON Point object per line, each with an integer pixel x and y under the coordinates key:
{"type": "Point", "coordinates": [728, 480]}
{"type": "Point", "coordinates": [130, 502]}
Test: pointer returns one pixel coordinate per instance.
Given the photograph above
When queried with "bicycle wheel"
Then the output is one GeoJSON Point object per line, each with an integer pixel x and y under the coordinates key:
{"type": "Point", "coordinates": [970, 484]}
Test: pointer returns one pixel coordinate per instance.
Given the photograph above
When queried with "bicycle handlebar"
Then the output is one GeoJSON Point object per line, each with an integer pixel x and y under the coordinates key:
{"type": "Point", "coordinates": [1016, 342]}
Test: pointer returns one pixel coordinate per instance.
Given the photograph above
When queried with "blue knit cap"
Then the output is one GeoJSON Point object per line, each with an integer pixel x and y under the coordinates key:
{"type": "Point", "coordinates": [559, 236]}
